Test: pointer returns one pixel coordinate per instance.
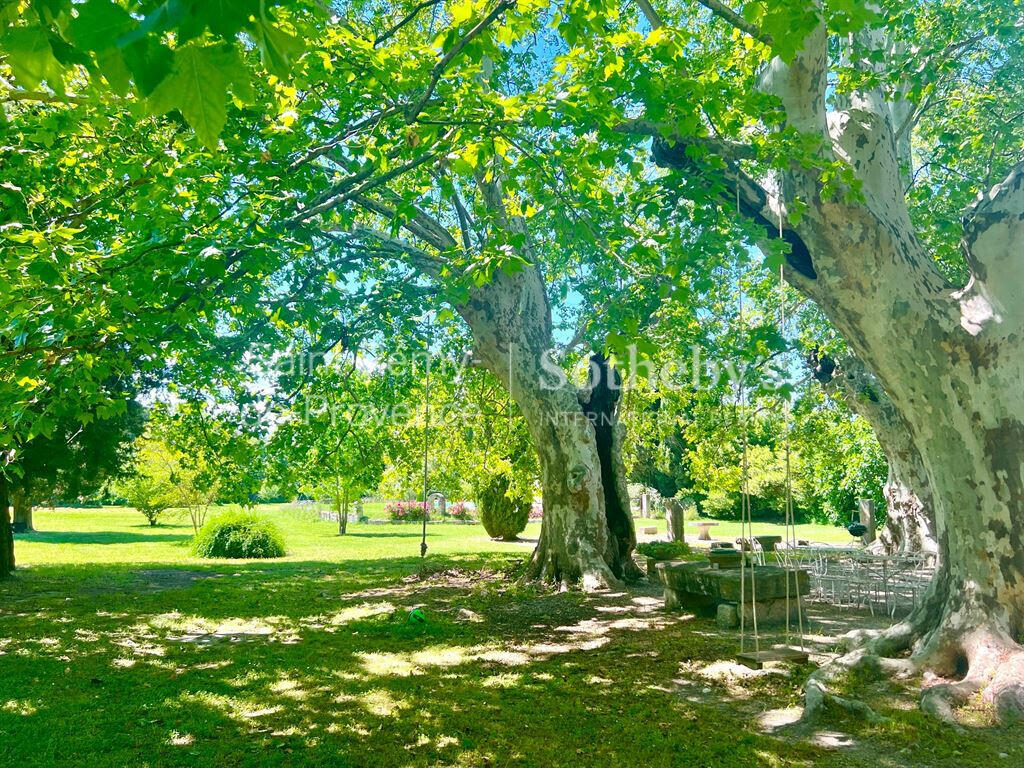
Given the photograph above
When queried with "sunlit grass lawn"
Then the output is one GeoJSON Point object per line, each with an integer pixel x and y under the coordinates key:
{"type": "Point", "coordinates": [118, 648]}
{"type": "Point", "coordinates": [121, 535]}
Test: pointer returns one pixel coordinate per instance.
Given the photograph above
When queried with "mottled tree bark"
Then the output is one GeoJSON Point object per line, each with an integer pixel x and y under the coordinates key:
{"type": "Point", "coordinates": [909, 526]}
{"type": "Point", "coordinates": [950, 359]}
{"type": "Point", "coordinates": [587, 531]}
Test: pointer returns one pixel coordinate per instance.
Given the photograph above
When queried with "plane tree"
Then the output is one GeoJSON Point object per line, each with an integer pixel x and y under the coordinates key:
{"type": "Point", "coordinates": [873, 152]}
{"type": "Point", "coordinates": [383, 173]}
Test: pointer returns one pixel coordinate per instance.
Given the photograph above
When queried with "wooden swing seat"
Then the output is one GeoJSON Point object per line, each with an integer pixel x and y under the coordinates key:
{"type": "Point", "coordinates": [757, 659]}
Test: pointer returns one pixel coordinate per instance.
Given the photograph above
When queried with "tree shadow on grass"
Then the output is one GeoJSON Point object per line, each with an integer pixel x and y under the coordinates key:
{"type": "Point", "coordinates": [325, 664]}
{"type": "Point", "coordinates": [309, 664]}
{"type": "Point", "coordinates": [99, 537]}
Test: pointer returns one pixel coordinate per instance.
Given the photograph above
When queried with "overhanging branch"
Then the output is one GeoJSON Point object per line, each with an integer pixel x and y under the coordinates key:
{"type": "Point", "coordinates": [753, 201]}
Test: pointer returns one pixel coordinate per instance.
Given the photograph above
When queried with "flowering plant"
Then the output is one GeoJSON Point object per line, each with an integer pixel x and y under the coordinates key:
{"type": "Point", "coordinates": [405, 511]}
{"type": "Point", "coordinates": [460, 510]}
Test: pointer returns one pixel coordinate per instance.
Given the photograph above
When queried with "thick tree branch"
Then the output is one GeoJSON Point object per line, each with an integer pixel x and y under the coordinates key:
{"type": "Point", "coordinates": [359, 183]}
{"type": "Point", "coordinates": [465, 221]}
{"type": "Point", "coordinates": [754, 202]}
{"type": "Point", "coordinates": [993, 244]}
{"type": "Point", "coordinates": [354, 239]}
{"type": "Point", "coordinates": [730, 150]}
{"type": "Point", "coordinates": [354, 128]}
{"type": "Point", "coordinates": [434, 235]}
{"type": "Point", "coordinates": [722, 11]}
{"type": "Point", "coordinates": [800, 84]}
{"type": "Point", "coordinates": [453, 52]}
{"type": "Point", "coordinates": [718, 8]}
{"type": "Point", "coordinates": [430, 224]}
{"type": "Point", "coordinates": [652, 16]}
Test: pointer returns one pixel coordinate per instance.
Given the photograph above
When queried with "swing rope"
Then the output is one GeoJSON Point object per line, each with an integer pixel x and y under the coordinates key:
{"type": "Point", "coordinates": [746, 523]}
{"type": "Point", "coordinates": [746, 515]}
{"type": "Point", "coordinates": [790, 518]}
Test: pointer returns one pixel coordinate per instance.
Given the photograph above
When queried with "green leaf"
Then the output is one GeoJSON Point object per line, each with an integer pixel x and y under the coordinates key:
{"type": "Point", "coordinates": [157, 21]}
{"type": "Point", "coordinates": [99, 24]}
{"type": "Point", "coordinates": [112, 66]}
{"type": "Point", "coordinates": [196, 87]}
{"type": "Point", "coordinates": [226, 17]}
{"type": "Point", "coordinates": [45, 271]}
{"type": "Point", "coordinates": [461, 11]}
{"type": "Point", "coordinates": [277, 48]}
{"type": "Point", "coordinates": [149, 62]}
{"type": "Point", "coordinates": [31, 58]}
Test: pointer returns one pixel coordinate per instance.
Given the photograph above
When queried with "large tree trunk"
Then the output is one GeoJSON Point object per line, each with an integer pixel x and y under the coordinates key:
{"type": "Point", "coordinates": [950, 359]}
{"type": "Point", "coordinates": [908, 522]}
{"type": "Point", "coordinates": [6, 535]}
{"type": "Point", "coordinates": [953, 373]}
{"type": "Point", "coordinates": [909, 525]}
{"type": "Point", "coordinates": [22, 513]}
{"type": "Point", "coordinates": [587, 531]}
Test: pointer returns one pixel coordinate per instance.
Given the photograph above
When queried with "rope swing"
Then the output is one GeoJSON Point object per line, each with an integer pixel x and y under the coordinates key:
{"type": "Point", "coordinates": [757, 557]}
{"type": "Point", "coordinates": [787, 562]}
{"type": "Point", "coordinates": [746, 523]}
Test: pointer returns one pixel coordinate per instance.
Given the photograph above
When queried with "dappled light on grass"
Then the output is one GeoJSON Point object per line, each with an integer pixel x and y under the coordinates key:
{"type": "Point", "coordinates": [19, 707]}
{"type": "Point", "coordinates": [318, 662]}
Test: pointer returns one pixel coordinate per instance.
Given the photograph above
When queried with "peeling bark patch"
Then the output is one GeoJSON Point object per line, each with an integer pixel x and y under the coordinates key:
{"type": "Point", "coordinates": [1004, 447]}
{"type": "Point", "coordinates": [982, 354]}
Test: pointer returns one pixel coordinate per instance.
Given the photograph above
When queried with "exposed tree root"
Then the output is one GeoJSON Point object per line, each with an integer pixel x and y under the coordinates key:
{"type": "Point", "coordinates": [957, 655]}
{"type": "Point", "coordinates": [1006, 691]}
{"type": "Point", "coordinates": [816, 691]}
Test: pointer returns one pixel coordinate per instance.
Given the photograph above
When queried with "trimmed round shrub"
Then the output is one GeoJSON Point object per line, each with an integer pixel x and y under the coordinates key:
{"type": "Point", "coordinates": [504, 516]}
{"type": "Point", "coordinates": [239, 535]}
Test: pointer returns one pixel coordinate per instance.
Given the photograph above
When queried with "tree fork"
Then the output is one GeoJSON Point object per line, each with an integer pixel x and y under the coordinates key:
{"type": "Point", "coordinates": [600, 405]}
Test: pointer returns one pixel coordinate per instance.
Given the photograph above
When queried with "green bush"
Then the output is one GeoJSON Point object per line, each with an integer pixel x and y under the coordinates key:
{"type": "Point", "coordinates": [664, 550]}
{"type": "Point", "coordinates": [239, 535]}
{"type": "Point", "coordinates": [504, 515]}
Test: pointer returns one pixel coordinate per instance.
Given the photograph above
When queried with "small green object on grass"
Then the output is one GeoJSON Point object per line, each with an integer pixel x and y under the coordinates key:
{"type": "Point", "coordinates": [416, 616]}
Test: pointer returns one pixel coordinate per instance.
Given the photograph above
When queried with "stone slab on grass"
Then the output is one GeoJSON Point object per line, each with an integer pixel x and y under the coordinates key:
{"type": "Point", "coordinates": [718, 592]}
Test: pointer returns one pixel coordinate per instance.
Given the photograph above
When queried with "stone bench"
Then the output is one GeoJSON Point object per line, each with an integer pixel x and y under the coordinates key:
{"type": "Point", "coordinates": [708, 591]}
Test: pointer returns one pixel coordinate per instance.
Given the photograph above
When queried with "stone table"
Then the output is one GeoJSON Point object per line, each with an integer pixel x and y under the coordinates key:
{"type": "Point", "coordinates": [768, 542]}
{"type": "Point", "coordinates": [705, 528]}
{"type": "Point", "coordinates": [709, 591]}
